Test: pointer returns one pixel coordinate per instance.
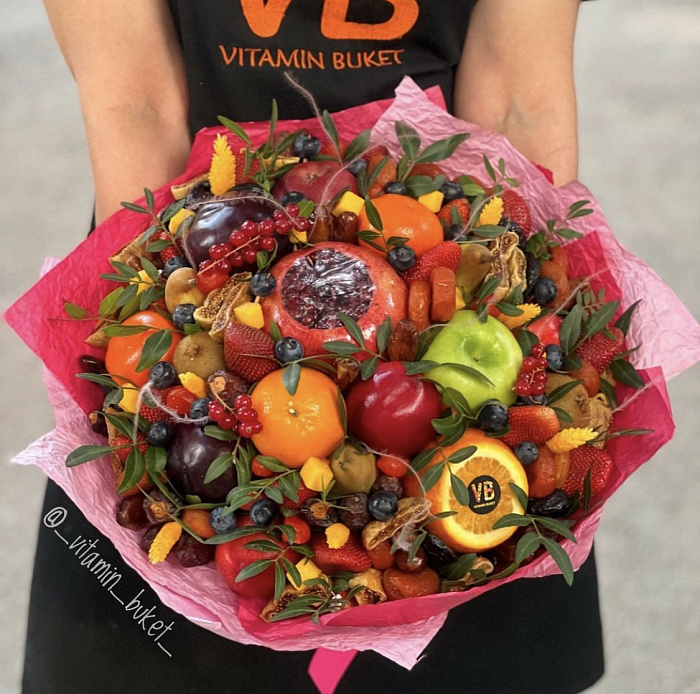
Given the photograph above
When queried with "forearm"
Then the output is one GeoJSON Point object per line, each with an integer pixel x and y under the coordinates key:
{"type": "Point", "coordinates": [516, 77]}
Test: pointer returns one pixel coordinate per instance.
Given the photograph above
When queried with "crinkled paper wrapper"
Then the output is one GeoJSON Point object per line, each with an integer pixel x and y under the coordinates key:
{"type": "Point", "coordinates": [669, 335]}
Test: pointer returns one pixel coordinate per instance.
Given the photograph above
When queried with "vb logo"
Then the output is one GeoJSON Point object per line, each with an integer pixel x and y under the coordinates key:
{"type": "Point", "coordinates": [265, 18]}
{"type": "Point", "coordinates": [484, 494]}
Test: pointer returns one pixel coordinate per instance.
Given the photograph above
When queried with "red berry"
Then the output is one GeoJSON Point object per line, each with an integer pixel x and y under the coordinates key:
{"type": "Point", "coordinates": [292, 209]}
{"type": "Point", "coordinates": [537, 350]}
{"type": "Point", "coordinates": [266, 227]}
{"type": "Point", "coordinates": [250, 255]}
{"type": "Point", "coordinates": [220, 250]}
{"type": "Point", "coordinates": [279, 214]}
{"type": "Point", "coordinates": [259, 470]}
{"type": "Point", "coordinates": [205, 264]}
{"type": "Point", "coordinates": [249, 228]}
{"type": "Point", "coordinates": [256, 427]}
{"type": "Point", "coordinates": [303, 495]}
{"type": "Point", "coordinates": [302, 224]}
{"type": "Point", "coordinates": [246, 415]}
{"type": "Point", "coordinates": [529, 364]}
{"type": "Point", "coordinates": [211, 280]}
{"type": "Point", "coordinates": [445, 254]}
{"type": "Point", "coordinates": [268, 244]}
{"type": "Point", "coordinates": [238, 238]}
{"type": "Point", "coordinates": [216, 410]}
{"type": "Point", "coordinates": [237, 259]}
{"type": "Point", "coordinates": [522, 389]}
{"type": "Point", "coordinates": [283, 226]}
{"type": "Point", "coordinates": [302, 528]}
{"type": "Point", "coordinates": [227, 422]}
{"type": "Point", "coordinates": [242, 400]}
{"type": "Point", "coordinates": [538, 389]}
{"type": "Point", "coordinates": [536, 423]}
{"type": "Point", "coordinates": [245, 430]}
{"type": "Point", "coordinates": [583, 459]}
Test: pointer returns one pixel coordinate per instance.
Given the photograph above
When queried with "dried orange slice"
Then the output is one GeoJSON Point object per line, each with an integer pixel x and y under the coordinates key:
{"type": "Point", "coordinates": [486, 475]}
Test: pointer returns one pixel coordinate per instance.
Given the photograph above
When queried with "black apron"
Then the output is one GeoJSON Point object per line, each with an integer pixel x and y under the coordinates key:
{"type": "Point", "coordinates": [89, 633]}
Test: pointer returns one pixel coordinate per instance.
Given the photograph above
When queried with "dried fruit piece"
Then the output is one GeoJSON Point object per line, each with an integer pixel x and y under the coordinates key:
{"type": "Point", "coordinates": [399, 584]}
{"type": "Point", "coordinates": [542, 474]}
{"type": "Point", "coordinates": [372, 592]}
{"type": "Point", "coordinates": [384, 176]}
{"type": "Point", "coordinates": [419, 305]}
{"type": "Point", "coordinates": [403, 343]}
{"type": "Point", "coordinates": [442, 286]}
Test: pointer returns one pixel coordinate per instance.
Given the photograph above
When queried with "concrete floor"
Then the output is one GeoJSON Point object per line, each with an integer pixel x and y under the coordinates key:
{"type": "Point", "coordinates": [638, 75]}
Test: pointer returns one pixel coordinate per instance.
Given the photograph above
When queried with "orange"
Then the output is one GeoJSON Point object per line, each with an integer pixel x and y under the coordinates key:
{"type": "Point", "coordinates": [123, 353]}
{"type": "Point", "coordinates": [300, 426]}
{"type": "Point", "coordinates": [406, 217]}
{"type": "Point", "coordinates": [486, 475]}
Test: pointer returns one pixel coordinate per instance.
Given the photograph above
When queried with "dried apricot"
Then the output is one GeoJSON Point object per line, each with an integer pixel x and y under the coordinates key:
{"type": "Point", "coordinates": [400, 584]}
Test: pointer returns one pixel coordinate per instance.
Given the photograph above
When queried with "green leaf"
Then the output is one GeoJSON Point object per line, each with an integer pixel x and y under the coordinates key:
{"type": "Point", "coordinates": [368, 367]}
{"type": "Point", "coordinates": [511, 520]}
{"type": "Point", "coordinates": [125, 330]}
{"type": "Point", "coordinates": [133, 470]}
{"type": "Point", "coordinates": [123, 424]}
{"type": "Point", "coordinates": [154, 349]}
{"type": "Point", "coordinates": [453, 398]}
{"type": "Point", "coordinates": [423, 459]}
{"type": "Point", "coordinates": [527, 544]}
{"type": "Point", "coordinates": [353, 328]}
{"type": "Point", "coordinates": [218, 467]}
{"type": "Point", "coordinates": [275, 332]}
{"type": "Point", "coordinates": [609, 391]}
{"type": "Point", "coordinates": [242, 463]}
{"type": "Point", "coordinates": [563, 415]}
{"type": "Point", "coordinates": [471, 371]}
{"type": "Point", "coordinates": [561, 391]}
{"type": "Point", "coordinates": [489, 168]}
{"type": "Point", "coordinates": [458, 569]}
{"type": "Point", "coordinates": [306, 207]}
{"type": "Point", "coordinates": [74, 311]}
{"type": "Point", "coordinates": [257, 567]}
{"type": "Point", "coordinates": [291, 376]}
{"type": "Point", "coordinates": [112, 398]}
{"type": "Point", "coordinates": [83, 454]}
{"type": "Point", "coordinates": [109, 303]}
{"type": "Point", "coordinates": [624, 372]}
{"type": "Point", "coordinates": [342, 409]}
{"type": "Point", "coordinates": [600, 318]}
{"type": "Point", "coordinates": [556, 526]}
{"type": "Point", "coordinates": [408, 139]}
{"type": "Point", "coordinates": [100, 379]}
{"type": "Point", "coordinates": [330, 129]}
{"type": "Point", "coordinates": [571, 329]}
{"type": "Point", "coordinates": [526, 340]}
{"type": "Point", "coordinates": [459, 489]}
{"type": "Point", "coordinates": [520, 494]}
{"type": "Point", "coordinates": [416, 543]}
{"type": "Point", "coordinates": [576, 206]}
{"type": "Point", "coordinates": [236, 129]}
{"type": "Point", "coordinates": [560, 557]}
{"type": "Point", "coordinates": [280, 581]}
{"type": "Point", "coordinates": [289, 486]}
{"type": "Point", "coordinates": [232, 535]}
{"type": "Point", "coordinates": [262, 546]}
{"type": "Point", "coordinates": [135, 208]}
{"type": "Point", "coordinates": [421, 184]}
{"type": "Point", "coordinates": [445, 425]}
{"type": "Point", "coordinates": [357, 146]}
{"type": "Point", "coordinates": [432, 475]}
{"type": "Point", "coordinates": [487, 288]}
{"type": "Point", "coordinates": [508, 309]}
{"type": "Point", "coordinates": [373, 214]}
{"type": "Point", "coordinates": [271, 463]}
{"type": "Point", "coordinates": [442, 149]}
{"type": "Point", "coordinates": [469, 187]}
{"type": "Point", "coordinates": [341, 347]}
{"type": "Point", "coordinates": [383, 334]}
{"type": "Point", "coordinates": [489, 231]}
{"type": "Point", "coordinates": [274, 493]}
{"type": "Point", "coordinates": [219, 434]}
{"type": "Point", "coordinates": [419, 367]}
{"type": "Point", "coordinates": [156, 458]}
{"type": "Point", "coordinates": [459, 456]}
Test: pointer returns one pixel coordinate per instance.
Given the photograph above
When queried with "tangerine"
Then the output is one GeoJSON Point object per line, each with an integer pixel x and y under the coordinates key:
{"type": "Point", "coordinates": [487, 475]}
{"type": "Point", "coordinates": [405, 217]}
{"type": "Point", "coordinates": [124, 352]}
{"type": "Point", "coordinates": [300, 426]}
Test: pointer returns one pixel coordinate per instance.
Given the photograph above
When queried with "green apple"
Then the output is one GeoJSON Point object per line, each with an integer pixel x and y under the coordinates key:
{"type": "Point", "coordinates": [487, 348]}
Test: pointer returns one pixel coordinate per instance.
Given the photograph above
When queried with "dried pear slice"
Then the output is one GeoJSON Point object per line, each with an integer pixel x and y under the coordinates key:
{"type": "Point", "coordinates": [372, 591]}
{"type": "Point", "coordinates": [508, 264]}
{"type": "Point", "coordinates": [601, 415]}
{"type": "Point", "coordinates": [575, 403]}
{"type": "Point", "coordinates": [289, 593]}
{"type": "Point", "coordinates": [473, 267]}
{"type": "Point", "coordinates": [216, 306]}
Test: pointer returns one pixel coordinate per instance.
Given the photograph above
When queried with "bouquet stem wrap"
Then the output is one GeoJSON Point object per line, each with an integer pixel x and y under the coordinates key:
{"type": "Point", "coordinates": [669, 337]}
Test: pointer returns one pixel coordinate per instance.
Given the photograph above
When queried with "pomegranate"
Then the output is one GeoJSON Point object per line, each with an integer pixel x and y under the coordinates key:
{"type": "Point", "coordinates": [315, 284]}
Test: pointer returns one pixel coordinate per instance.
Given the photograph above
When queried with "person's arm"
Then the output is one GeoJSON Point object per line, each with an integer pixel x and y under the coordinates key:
{"type": "Point", "coordinates": [130, 75]}
{"type": "Point", "coordinates": [516, 77]}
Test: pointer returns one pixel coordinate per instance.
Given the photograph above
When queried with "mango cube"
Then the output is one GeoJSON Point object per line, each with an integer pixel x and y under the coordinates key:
{"type": "Point", "coordinates": [249, 313]}
{"type": "Point", "coordinates": [433, 201]}
{"type": "Point", "coordinates": [130, 398]}
{"type": "Point", "coordinates": [316, 474]}
{"type": "Point", "coordinates": [178, 218]}
{"type": "Point", "coordinates": [296, 236]}
{"type": "Point", "coordinates": [348, 202]}
{"type": "Point", "coordinates": [459, 299]}
{"type": "Point", "coordinates": [307, 570]}
{"type": "Point", "coordinates": [143, 281]}
{"type": "Point", "coordinates": [337, 534]}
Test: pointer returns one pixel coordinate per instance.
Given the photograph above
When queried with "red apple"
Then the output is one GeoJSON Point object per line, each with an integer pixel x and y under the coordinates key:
{"type": "Point", "coordinates": [391, 411]}
{"type": "Point", "coordinates": [316, 283]}
{"type": "Point", "coordinates": [319, 180]}
{"type": "Point", "coordinates": [232, 557]}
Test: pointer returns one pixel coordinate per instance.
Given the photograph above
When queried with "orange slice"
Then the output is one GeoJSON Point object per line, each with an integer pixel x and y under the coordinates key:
{"type": "Point", "coordinates": [486, 475]}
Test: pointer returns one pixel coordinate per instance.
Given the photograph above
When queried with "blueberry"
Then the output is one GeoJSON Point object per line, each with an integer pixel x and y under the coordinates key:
{"type": "Point", "coordinates": [544, 291]}
{"type": "Point", "coordinates": [383, 505]}
{"type": "Point", "coordinates": [159, 433]}
{"type": "Point", "coordinates": [262, 284]}
{"type": "Point", "coordinates": [493, 416]}
{"type": "Point", "coordinates": [162, 375]}
{"type": "Point", "coordinates": [455, 232]}
{"type": "Point", "coordinates": [402, 258]}
{"type": "Point", "coordinates": [221, 523]}
{"type": "Point", "coordinates": [183, 314]}
{"type": "Point", "coordinates": [526, 452]}
{"type": "Point", "coordinates": [396, 187]}
{"type": "Point", "coordinates": [263, 512]}
{"type": "Point", "coordinates": [174, 263]}
{"type": "Point", "coordinates": [288, 349]}
{"type": "Point", "coordinates": [533, 400]}
{"type": "Point", "coordinates": [199, 409]}
{"type": "Point", "coordinates": [451, 191]}
{"type": "Point", "coordinates": [354, 167]}
{"type": "Point", "coordinates": [306, 146]}
{"type": "Point", "coordinates": [532, 273]}
{"type": "Point", "coordinates": [293, 196]}
{"type": "Point", "coordinates": [555, 357]}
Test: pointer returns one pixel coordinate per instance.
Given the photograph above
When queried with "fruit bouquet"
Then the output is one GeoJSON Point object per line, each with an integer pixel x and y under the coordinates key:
{"type": "Point", "coordinates": [342, 380]}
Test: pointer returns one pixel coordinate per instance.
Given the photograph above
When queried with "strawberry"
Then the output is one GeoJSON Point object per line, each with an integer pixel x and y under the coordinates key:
{"type": "Point", "coordinates": [241, 175]}
{"type": "Point", "coordinates": [303, 495]}
{"type": "Point", "coordinates": [155, 414]}
{"type": "Point", "coordinates": [240, 342]}
{"type": "Point", "coordinates": [583, 459]}
{"type": "Point", "coordinates": [373, 151]}
{"type": "Point", "coordinates": [170, 251]}
{"type": "Point", "coordinates": [534, 423]}
{"type": "Point", "coordinates": [599, 349]}
{"type": "Point", "coordinates": [445, 254]}
{"type": "Point", "coordinates": [515, 210]}
{"type": "Point", "coordinates": [462, 207]}
{"type": "Point", "coordinates": [352, 556]}
{"type": "Point", "coordinates": [123, 453]}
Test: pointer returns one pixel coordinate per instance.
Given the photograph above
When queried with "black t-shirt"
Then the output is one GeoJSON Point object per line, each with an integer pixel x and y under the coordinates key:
{"type": "Point", "coordinates": [344, 52]}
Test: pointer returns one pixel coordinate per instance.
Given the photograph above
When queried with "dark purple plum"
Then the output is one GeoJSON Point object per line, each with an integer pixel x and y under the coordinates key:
{"type": "Point", "coordinates": [214, 222]}
{"type": "Point", "coordinates": [190, 454]}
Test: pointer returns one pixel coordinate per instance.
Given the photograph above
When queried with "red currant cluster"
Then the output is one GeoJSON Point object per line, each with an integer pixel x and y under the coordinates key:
{"type": "Point", "coordinates": [244, 244]}
{"type": "Point", "coordinates": [243, 418]}
{"type": "Point", "coordinates": [532, 379]}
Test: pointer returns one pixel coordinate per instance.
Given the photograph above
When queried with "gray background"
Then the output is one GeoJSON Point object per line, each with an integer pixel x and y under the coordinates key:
{"type": "Point", "coordinates": [638, 75]}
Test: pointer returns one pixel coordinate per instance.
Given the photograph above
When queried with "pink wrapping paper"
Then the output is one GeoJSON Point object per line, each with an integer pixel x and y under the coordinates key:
{"type": "Point", "coordinates": [669, 335]}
